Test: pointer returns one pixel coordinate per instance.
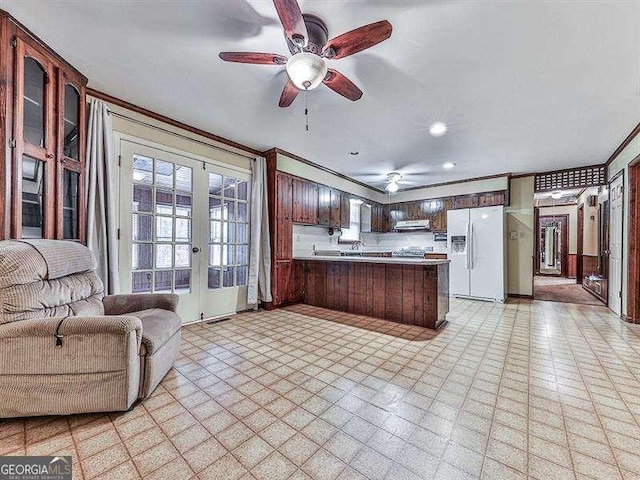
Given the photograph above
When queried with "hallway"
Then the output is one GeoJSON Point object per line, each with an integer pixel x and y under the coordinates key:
{"type": "Point", "coordinates": [562, 289]}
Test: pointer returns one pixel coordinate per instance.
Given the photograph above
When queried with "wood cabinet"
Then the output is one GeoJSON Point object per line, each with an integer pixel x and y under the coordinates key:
{"type": "Point", "coordinates": [403, 293]}
{"type": "Point", "coordinates": [324, 205]}
{"type": "Point", "coordinates": [283, 218]}
{"type": "Point", "coordinates": [345, 210]}
{"type": "Point", "coordinates": [379, 218]}
{"type": "Point", "coordinates": [288, 280]}
{"type": "Point", "coordinates": [42, 161]}
{"type": "Point", "coordinates": [330, 202]}
{"type": "Point", "coordinates": [305, 201]}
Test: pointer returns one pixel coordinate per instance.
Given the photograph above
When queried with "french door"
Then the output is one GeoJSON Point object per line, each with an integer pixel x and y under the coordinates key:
{"type": "Point", "coordinates": [184, 228]}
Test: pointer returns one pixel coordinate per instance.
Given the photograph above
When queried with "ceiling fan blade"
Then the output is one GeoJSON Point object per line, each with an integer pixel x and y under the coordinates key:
{"type": "Point", "coordinates": [292, 21]}
{"type": "Point", "coordinates": [252, 57]}
{"type": "Point", "coordinates": [342, 85]}
{"type": "Point", "coordinates": [289, 94]}
{"type": "Point", "coordinates": [357, 40]}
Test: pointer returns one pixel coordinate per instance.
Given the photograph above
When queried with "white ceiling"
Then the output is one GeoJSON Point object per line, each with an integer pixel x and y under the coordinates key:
{"type": "Point", "coordinates": [523, 85]}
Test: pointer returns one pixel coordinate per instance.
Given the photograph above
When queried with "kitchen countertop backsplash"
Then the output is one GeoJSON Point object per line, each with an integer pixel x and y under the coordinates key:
{"type": "Point", "coordinates": [305, 237]}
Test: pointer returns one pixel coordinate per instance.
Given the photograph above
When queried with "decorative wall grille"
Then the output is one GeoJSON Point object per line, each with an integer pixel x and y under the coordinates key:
{"type": "Point", "coordinates": [574, 178]}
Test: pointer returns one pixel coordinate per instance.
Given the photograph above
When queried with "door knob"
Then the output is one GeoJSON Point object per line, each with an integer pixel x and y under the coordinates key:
{"type": "Point", "coordinates": [195, 249]}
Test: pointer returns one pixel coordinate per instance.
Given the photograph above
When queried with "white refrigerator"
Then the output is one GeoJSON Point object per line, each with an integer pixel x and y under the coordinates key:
{"type": "Point", "coordinates": [476, 247]}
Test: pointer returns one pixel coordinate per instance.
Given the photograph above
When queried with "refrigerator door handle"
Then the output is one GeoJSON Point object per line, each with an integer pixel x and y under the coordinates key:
{"type": "Point", "coordinates": [470, 245]}
{"type": "Point", "coordinates": [468, 249]}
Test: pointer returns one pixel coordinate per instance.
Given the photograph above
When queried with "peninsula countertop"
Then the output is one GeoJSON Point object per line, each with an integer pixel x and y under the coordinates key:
{"type": "Point", "coordinates": [358, 259]}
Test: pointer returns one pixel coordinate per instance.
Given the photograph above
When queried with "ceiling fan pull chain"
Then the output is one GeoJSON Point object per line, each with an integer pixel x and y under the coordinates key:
{"type": "Point", "coordinates": [306, 110]}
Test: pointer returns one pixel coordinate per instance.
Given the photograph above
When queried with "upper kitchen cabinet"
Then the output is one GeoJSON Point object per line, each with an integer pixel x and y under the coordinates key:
{"type": "Point", "coordinates": [305, 201]}
{"type": "Point", "coordinates": [42, 145]}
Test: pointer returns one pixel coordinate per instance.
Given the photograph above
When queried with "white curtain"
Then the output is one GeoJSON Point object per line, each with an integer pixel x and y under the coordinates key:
{"type": "Point", "coordinates": [259, 284]}
{"type": "Point", "coordinates": [101, 182]}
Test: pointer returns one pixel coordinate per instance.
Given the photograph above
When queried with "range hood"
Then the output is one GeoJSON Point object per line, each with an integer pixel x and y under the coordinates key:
{"type": "Point", "coordinates": [408, 225]}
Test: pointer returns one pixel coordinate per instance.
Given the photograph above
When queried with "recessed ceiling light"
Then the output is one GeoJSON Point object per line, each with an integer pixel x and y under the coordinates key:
{"type": "Point", "coordinates": [448, 165]}
{"type": "Point", "coordinates": [556, 195]}
{"type": "Point", "coordinates": [354, 152]}
{"type": "Point", "coordinates": [438, 129]}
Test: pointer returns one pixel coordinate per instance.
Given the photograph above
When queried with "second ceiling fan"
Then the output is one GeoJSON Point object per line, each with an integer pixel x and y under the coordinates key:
{"type": "Point", "coordinates": [307, 39]}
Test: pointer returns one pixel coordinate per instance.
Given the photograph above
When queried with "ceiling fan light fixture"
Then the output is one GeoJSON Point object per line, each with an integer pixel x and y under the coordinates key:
{"type": "Point", "coordinates": [306, 70]}
{"type": "Point", "coordinates": [438, 129]}
{"type": "Point", "coordinates": [393, 179]}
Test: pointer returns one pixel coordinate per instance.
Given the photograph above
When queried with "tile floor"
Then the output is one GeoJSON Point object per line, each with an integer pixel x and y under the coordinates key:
{"type": "Point", "coordinates": [523, 390]}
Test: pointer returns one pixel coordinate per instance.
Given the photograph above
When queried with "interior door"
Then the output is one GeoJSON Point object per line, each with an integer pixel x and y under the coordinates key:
{"type": "Point", "coordinates": [487, 252]}
{"type": "Point", "coordinates": [161, 245]}
{"type": "Point", "coordinates": [615, 246]}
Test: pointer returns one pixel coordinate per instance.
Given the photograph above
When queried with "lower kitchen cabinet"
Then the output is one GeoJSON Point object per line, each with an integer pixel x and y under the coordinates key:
{"type": "Point", "coordinates": [288, 282]}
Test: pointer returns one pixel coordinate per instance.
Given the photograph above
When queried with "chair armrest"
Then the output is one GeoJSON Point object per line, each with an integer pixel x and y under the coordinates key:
{"type": "Point", "coordinates": [44, 327]}
{"type": "Point", "coordinates": [134, 302]}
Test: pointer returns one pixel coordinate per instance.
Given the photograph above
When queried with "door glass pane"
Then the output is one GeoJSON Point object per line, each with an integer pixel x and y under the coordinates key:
{"type": "Point", "coordinates": [33, 102]}
{"type": "Point", "coordinates": [215, 208]}
{"type": "Point", "coordinates": [164, 203]}
{"type": "Point", "coordinates": [215, 184]}
{"type": "Point", "coordinates": [227, 276]}
{"type": "Point", "coordinates": [183, 178]}
{"type": "Point", "coordinates": [164, 229]}
{"type": "Point", "coordinates": [242, 212]}
{"type": "Point", "coordinates": [229, 187]}
{"type": "Point", "coordinates": [183, 256]}
{"type": "Point", "coordinates": [215, 255]}
{"type": "Point", "coordinates": [71, 205]}
{"type": "Point", "coordinates": [214, 280]}
{"type": "Point", "coordinates": [242, 255]}
{"type": "Point", "coordinates": [143, 170]}
{"type": "Point", "coordinates": [71, 119]}
{"type": "Point", "coordinates": [183, 205]}
{"type": "Point", "coordinates": [142, 198]}
{"type": "Point", "coordinates": [183, 230]}
{"type": "Point", "coordinates": [241, 190]}
{"type": "Point", "coordinates": [142, 256]}
{"type": "Point", "coordinates": [164, 252]}
{"type": "Point", "coordinates": [164, 174]}
{"type": "Point", "coordinates": [241, 275]}
{"type": "Point", "coordinates": [242, 233]}
{"type": "Point", "coordinates": [216, 232]}
{"type": "Point", "coordinates": [142, 228]}
{"type": "Point", "coordinates": [182, 281]}
{"type": "Point", "coordinates": [163, 281]}
{"type": "Point", "coordinates": [33, 173]}
{"type": "Point", "coordinates": [141, 282]}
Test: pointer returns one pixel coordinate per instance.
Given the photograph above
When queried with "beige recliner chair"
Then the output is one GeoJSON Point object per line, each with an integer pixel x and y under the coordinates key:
{"type": "Point", "coordinates": [64, 347]}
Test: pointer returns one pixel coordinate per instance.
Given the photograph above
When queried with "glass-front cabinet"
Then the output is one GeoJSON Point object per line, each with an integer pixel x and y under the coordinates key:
{"type": "Point", "coordinates": [71, 141]}
{"type": "Point", "coordinates": [45, 130]}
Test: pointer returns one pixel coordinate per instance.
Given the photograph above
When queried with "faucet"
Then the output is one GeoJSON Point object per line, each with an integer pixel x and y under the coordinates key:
{"type": "Point", "coordinates": [356, 244]}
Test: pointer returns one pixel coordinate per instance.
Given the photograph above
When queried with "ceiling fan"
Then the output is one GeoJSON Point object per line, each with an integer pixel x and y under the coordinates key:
{"type": "Point", "coordinates": [306, 37]}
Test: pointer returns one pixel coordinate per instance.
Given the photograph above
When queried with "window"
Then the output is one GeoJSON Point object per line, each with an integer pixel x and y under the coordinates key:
{"type": "Point", "coordinates": [228, 231]}
{"type": "Point", "coordinates": [352, 234]}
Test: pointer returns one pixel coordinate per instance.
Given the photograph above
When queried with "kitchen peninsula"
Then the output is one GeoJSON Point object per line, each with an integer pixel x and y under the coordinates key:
{"type": "Point", "coordinates": [404, 290]}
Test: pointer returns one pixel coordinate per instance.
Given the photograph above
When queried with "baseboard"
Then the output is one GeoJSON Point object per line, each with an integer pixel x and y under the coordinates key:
{"type": "Point", "coordinates": [520, 295]}
{"type": "Point", "coordinates": [628, 319]}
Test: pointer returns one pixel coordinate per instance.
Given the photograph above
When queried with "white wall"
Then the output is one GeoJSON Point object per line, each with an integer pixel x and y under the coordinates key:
{"type": "Point", "coordinates": [520, 247]}
{"type": "Point", "coordinates": [621, 163]}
